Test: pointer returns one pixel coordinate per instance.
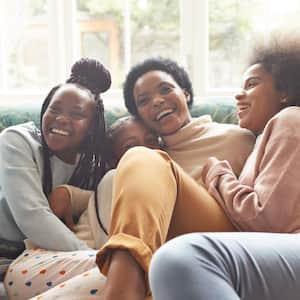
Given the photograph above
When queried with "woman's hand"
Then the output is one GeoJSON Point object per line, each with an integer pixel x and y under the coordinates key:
{"type": "Point", "coordinates": [210, 162]}
{"type": "Point", "coordinates": [60, 203]}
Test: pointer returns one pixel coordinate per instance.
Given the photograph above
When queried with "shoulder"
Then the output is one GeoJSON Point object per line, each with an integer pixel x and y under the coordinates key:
{"type": "Point", "coordinates": [26, 131]}
{"type": "Point", "coordinates": [105, 186]}
{"type": "Point", "coordinates": [23, 138]}
{"type": "Point", "coordinates": [233, 131]}
{"type": "Point", "coordinates": [292, 114]}
{"type": "Point", "coordinates": [109, 175]}
{"type": "Point", "coordinates": [287, 121]}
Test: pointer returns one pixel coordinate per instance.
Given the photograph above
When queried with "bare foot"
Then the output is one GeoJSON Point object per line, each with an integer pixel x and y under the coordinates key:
{"type": "Point", "coordinates": [125, 278]}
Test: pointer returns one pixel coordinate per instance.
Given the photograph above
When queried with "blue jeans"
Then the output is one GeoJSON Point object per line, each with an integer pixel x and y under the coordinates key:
{"type": "Point", "coordinates": [227, 266]}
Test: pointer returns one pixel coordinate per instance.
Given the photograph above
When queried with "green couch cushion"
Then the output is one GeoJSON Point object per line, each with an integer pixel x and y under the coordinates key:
{"type": "Point", "coordinates": [222, 111]}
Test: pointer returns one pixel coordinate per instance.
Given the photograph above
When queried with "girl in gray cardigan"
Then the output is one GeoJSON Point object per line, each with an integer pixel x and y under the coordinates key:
{"type": "Point", "coordinates": [69, 148]}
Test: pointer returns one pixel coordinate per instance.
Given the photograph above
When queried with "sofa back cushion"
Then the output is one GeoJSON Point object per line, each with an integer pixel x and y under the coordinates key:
{"type": "Point", "coordinates": [222, 110]}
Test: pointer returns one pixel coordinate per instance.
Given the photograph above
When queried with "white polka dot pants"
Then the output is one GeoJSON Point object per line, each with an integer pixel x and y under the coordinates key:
{"type": "Point", "coordinates": [36, 271]}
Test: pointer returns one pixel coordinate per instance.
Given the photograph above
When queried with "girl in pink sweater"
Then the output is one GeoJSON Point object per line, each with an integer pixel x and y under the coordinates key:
{"type": "Point", "coordinates": [263, 198]}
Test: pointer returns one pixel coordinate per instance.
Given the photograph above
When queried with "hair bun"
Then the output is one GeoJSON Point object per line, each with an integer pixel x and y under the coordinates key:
{"type": "Point", "coordinates": [91, 74]}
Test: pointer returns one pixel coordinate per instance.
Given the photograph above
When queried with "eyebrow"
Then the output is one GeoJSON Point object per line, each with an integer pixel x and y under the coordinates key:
{"type": "Point", "coordinates": [158, 86]}
{"type": "Point", "coordinates": [165, 83]}
{"type": "Point", "coordinates": [78, 107]}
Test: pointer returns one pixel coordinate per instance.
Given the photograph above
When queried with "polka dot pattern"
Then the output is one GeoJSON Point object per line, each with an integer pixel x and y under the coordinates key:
{"type": "Point", "coordinates": [93, 291]}
{"type": "Point", "coordinates": [37, 271]}
{"type": "Point", "coordinates": [28, 283]}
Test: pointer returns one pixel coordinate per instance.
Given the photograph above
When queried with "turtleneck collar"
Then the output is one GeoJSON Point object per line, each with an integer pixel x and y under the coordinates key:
{"type": "Point", "coordinates": [197, 126]}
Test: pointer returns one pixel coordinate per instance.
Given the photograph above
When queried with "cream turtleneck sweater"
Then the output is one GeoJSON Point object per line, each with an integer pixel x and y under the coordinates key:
{"type": "Point", "coordinates": [191, 146]}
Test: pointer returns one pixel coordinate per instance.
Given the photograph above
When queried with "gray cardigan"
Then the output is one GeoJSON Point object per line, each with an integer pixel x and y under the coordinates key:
{"type": "Point", "coordinates": [24, 209]}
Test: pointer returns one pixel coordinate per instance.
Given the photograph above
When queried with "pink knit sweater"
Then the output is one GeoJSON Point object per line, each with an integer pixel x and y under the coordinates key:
{"type": "Point", "coordinates": [266, 196]}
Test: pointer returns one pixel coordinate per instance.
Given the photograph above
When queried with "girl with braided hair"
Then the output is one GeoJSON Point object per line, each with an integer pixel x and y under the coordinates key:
{"type": "Point", "coordinates": [71, 203]}
{"type": "Point", "coordinates": [69, 148]}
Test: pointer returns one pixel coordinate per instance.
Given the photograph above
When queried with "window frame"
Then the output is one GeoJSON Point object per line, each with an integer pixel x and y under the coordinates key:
{"type": "Point", "coordinates": [63, 49]}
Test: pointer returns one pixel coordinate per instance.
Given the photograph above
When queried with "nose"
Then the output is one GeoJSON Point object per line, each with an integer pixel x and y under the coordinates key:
{"type": "Point", "coordinates": [62, 118]}
{"type": "Point", "coordinates": [239, 95]}
{"type": "Point", "coordinates": [158, 100]}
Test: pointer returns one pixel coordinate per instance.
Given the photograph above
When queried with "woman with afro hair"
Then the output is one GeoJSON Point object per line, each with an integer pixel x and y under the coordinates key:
{"type": "Point", "coordinates": [264, 198]}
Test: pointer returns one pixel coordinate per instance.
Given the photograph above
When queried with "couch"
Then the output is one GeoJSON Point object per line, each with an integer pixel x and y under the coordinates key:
{"type": "Point", "coordinates": [221, 109]}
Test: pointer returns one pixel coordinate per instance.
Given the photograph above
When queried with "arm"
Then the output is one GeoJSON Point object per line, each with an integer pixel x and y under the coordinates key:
{"type": "Point", "coordinates": [267, 199]}
{"type": "Point", "coordinates": [60, 204]}
{"type": "Point", "coordinates": [21, 181]}
{"type": "Point", "coordinates": [67, 201]}
{"type": "Point", "coordinates": [79, 198]}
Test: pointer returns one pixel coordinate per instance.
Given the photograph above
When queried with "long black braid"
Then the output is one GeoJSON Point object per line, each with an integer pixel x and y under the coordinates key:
{"type": "Point", "coordinates": [91, 75]}
{"type": "Point", "coordinates": [47, 177]}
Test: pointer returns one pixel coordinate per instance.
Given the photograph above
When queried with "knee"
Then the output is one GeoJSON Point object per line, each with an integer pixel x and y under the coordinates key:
{"type": "Point", "coordinates": [142, 163]}
{"type": "Point", "coordinates": [171, 265]}
{"type": "Point", "coordinates": [139, 155]}
{"type": "Point", "coordinates": [181, 258]}
{"type": "Point", "coordinates": [165, 263]}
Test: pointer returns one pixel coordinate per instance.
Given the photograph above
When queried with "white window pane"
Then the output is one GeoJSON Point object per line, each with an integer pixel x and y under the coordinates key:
{"type": "Point", "coordinates": [155, 29]}
{"type": "Point", "coordinates": [234, 24]}
{"type": "Point", "coordinates": [100, 25]}
{"type": "Point", "coordinates": [121, 33]}
{"type": "Point", "coordinates": [24, 50]}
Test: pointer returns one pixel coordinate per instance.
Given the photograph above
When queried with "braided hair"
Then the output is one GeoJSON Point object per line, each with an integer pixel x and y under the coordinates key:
{"type": "Point", "coordinates": [91, 75]}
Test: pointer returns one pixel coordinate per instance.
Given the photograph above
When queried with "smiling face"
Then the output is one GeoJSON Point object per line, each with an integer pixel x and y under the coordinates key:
{"type": "Point", "coordinates": [130, 134]}
{"type": "Point", "coordinates": [161, 102]}
{"type": "Point", "coordinates": [259, 100]}
{"type": "Point", "coordinates": [67, 121]}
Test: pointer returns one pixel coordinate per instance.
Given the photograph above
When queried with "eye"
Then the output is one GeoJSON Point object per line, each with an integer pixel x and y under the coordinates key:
{"type": "Point", "coordinates": [165, 90]}
{"type": "Point", "coordinates": [251, 84]}
{"type": "Point", "coordinates": [77, 115]}
{"type": "Point", "coordinates": [141, 101]}
{"type": "Point", "coordinates": [54, 110]}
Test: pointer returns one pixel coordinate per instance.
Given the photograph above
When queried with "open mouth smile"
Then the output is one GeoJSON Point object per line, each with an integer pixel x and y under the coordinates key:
{"type": "Point", "coordinates": [59, 131]}
{"type": "Point", "coordinates": [242, 108]}
{"type": "Point", "coordinates": [164, 113]}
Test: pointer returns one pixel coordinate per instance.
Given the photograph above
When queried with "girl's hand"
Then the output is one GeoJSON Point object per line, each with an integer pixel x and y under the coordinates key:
{"type": "Point", "coordinates": [60, 203]}
{"type": "Point", "coordinates": [210, 162]}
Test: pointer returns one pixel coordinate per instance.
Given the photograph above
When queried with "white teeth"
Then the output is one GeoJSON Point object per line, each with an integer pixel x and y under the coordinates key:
{"type": "Point", "coordinates": [163, 113]}
{"type": "Point", "coordinates": [60, 131]}
{"type": "Point", "coordinates": [241, 108]}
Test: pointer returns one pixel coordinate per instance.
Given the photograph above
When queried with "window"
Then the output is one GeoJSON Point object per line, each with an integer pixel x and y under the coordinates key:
{"type": "Point", "coordinates": [122, 32]}
{"type": "Point", "coordinates": [23, 45]}
{"type": "Point", "coordinates": [234, 24]}
{"type": "Point", "coordinates": [209, 37]}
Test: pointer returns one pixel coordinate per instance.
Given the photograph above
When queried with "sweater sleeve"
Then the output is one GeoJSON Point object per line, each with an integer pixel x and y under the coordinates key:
{"type": "Point", "coordinates": [271, 202]}
{"type": "Point", "coordinates": [21, 183]}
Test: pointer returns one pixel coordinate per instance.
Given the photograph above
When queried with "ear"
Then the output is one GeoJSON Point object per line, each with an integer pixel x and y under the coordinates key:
{"type": "Point", "coordinates": [283, 98]}
{"type": "Point", "coordinates": [187, 95]}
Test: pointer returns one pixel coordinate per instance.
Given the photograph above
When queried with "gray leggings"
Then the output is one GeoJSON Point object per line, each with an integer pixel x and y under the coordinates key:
{"type": "Point", "coordinates": [227, 266]}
